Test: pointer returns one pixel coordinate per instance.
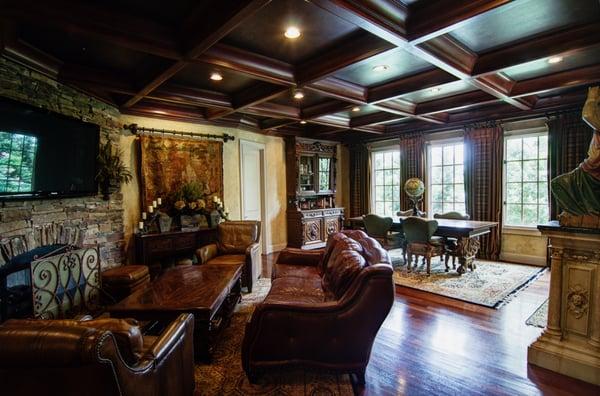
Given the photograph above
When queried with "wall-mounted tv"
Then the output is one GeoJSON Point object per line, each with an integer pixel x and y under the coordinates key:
{"type": "Point", "coordinates": [44, 154]}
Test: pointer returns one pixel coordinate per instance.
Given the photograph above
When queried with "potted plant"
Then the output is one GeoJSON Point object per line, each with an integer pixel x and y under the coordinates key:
{"type": "Point", "coordinates": [111, 169]}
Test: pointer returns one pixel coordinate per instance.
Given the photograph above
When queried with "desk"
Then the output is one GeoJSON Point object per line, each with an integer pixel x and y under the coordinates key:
{"type": "Point", "coordinates": [467, 233]}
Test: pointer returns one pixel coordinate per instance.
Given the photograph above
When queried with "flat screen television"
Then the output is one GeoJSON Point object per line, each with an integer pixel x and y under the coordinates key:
{"type": "Point", "coordinates": [44, 154]}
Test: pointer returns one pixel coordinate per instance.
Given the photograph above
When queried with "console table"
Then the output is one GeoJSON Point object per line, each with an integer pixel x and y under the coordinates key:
{"type": "Point", "coordinates": [153, 248]}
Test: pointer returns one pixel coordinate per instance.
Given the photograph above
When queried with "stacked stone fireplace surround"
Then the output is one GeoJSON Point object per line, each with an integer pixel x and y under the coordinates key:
{"type": "Point", "coordinates": [102, 220]}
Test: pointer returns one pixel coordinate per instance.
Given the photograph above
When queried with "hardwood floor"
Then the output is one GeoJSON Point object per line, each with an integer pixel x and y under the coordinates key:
{"type": "Point", "coordinates": [432, 345]}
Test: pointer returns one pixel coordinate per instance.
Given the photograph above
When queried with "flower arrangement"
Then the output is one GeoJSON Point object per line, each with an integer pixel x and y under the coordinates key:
{"type": "Point", "coordinates": [195, 198]}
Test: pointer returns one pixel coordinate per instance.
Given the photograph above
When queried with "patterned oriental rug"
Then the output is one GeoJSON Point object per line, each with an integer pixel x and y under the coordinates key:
{"type": "Point", "coordinates": [492, 284]}
{"type": "Point", "coordinates": [540, 317]}
{"type": "Point", "coordinates": [225, 376]}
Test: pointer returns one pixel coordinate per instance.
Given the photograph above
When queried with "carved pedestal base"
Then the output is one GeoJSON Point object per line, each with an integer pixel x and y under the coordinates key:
{"type": "Point", "coordinates": [570, 344]}
{"type": "Point", "coordinates": [467, 250]}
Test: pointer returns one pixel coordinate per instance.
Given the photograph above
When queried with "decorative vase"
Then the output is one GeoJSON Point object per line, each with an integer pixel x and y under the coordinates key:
{"type": "Point", "coordinates": [164, 223]}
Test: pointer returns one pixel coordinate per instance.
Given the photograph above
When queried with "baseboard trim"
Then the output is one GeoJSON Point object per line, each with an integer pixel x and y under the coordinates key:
{"type": "Point", "coordinates": [540, 261]}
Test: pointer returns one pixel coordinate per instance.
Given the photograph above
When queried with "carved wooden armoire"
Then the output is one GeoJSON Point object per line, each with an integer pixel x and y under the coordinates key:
{"type": "Point", "coordinates": [312, 214]}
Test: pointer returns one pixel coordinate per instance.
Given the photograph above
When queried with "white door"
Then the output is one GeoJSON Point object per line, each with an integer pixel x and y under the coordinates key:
{"type": "Point", "coordinates": [251, 182]}
{"type": "Point", "coordinates": [252, 188]}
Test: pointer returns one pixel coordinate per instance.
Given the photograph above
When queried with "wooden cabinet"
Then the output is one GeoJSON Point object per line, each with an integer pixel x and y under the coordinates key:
{"type": "Point", "coordinates": [311, 213]}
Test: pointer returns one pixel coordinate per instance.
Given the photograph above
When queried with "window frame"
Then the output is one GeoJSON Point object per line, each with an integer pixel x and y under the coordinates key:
{"type": "Point", "coordinates": [428, 173]}
{"type": "Point", "coordinates": [520, 229]}
{"type": "Point", "coordinates": [372, 193]}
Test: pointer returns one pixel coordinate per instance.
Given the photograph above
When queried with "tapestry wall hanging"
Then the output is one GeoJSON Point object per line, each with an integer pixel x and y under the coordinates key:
{"type": "Point", "coordinates": [167, 164]}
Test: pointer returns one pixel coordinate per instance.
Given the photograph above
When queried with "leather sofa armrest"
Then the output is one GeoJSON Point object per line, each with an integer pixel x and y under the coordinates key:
{"type": "Point", "coordinates": [181, 327]}
{"type": "Point", "coordinates": [292, 256]}
{"type": "Point", "coordinates": [252, 249]}
{"type": "Point", "coordinates": [206, 252]}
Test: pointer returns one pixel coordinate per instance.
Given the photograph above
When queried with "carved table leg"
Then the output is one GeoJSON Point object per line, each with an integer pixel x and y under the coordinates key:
{"type": "Point", "coordinates": [467, 250]}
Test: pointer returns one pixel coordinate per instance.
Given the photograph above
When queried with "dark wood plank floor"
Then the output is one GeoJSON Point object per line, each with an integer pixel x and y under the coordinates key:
{"type": "Point", "coordinates": [431, 345]}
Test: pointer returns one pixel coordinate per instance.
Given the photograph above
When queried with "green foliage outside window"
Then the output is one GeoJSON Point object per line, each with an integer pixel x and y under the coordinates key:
{"type": "Point", "coordinates": [17, 162]}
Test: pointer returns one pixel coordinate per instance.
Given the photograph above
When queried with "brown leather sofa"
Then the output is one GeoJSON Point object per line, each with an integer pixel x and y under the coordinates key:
{"type": "Point", "coordinates": [95, 357]}
{"type": "Point", "coordinates": [237, 243]}
{"type": "Point", "coordinates": [324, 308]}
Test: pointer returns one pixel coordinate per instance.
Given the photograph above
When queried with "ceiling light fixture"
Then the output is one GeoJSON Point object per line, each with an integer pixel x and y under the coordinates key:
{"type": "Point", "coordinates": [292, 32]}
{"type": "Point", "coordinates": [298, 94]}
{"type": "Point", "coordinates": [555, 59]}
{"type": "Point", "coordinates": [380, 68]}
{"type": "Point", "coordinates": [356, 108]}
{"type": "Point", "coordinates": [216, 76]}
{"type": "Point", "coordinates": [302, 122]}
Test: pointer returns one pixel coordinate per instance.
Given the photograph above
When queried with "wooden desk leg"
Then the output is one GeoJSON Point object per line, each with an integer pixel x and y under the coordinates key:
{"type": "Point", "coordinates": [467, 250]}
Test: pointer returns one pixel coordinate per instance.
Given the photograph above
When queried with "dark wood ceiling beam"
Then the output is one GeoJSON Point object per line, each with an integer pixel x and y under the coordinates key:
{"type": "Point", "coordinates": [254, 65]}
{"type": "Point", "coordinates": [456, 102]}
{"type": "Point", "coordinates": [211, 28]}
{"type": "Point", "coordinates": [565, 42]}
{"type": "Point", "coordinates": [430, 19]}
{"type": "Point", "coordinates": [340, 89]}
{"type": "Point", "coordinates": [374, 119]}
{"type": "Point", "coordinates": [275, 110]}
{"type": "Point", "coordinates": [25, 54]}
{"type": "Point", "coordinates": [328, 107]}
{"type": "Point", "coordinates": [128, 31]}
{"type": "Point", "coordinates": [382, 18]}
{"type": "Point", "coordinates": [276, 123]}
{"type": "Point", "coordinates": [354, 49]}
{"type": "Point", "coordinates": [397, 106]}
{"type": "Point", "coordinates": [570, 78]}
{"type": "Point", "coordinates": [198, 97]}
{"type": "Point", "coordinates": [257, 93]}
{"type": "Point", "coordinates": [403, 86]}
{"type": "Point", "coordinates": [447, 54]}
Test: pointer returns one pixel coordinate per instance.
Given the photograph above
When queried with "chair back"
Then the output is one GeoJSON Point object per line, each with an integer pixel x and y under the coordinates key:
{"type": "Point", "coordinates": [451, 215]}
{"type": "Point", "coordinates": [234, 237]}
{"type": "Point", "coordinates": [417, 229]}
{"type": "Point", "coordinates": [377, 226]}
{"type": "Point", "coordinates": [404, 213]}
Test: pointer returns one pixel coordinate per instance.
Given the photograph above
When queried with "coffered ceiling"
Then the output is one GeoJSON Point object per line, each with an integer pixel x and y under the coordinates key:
{"type": "Point", "coordinates": [357, 70]}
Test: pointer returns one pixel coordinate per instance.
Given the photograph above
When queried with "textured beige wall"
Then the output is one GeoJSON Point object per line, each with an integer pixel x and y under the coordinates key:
{"type": "Point", "coordinates": [524, 248]}
{"type": "Point", "coordinates": [276, 236]}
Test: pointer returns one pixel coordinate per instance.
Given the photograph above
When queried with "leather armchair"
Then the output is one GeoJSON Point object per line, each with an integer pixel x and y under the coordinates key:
{"type": "Point", "coordinates": [237, 243]}
{"type": "Point", "coordinates": [324, 308]}
{"type": "Point", "coordinates": [66, 357]}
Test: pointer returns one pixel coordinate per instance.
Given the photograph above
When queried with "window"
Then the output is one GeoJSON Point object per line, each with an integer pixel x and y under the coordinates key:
{"type": "Point", "coordinates": [385, 181]}
{"type": "Point", "coordinates": [526, 179]}
{"type": "Point", "coordinates": [324, 168]}
{"type": "Point", "coordinates": [17, 159]}
{"type": "Point", "coordinates": [446, 177]}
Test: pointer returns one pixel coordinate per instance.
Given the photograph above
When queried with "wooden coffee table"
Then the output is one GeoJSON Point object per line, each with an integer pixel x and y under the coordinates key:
{"type": "Point", "coordinates": [208, 291]}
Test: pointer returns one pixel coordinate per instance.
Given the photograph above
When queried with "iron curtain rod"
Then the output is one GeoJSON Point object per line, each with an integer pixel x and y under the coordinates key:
{"type": "Point", "coordinates": [135, 129]}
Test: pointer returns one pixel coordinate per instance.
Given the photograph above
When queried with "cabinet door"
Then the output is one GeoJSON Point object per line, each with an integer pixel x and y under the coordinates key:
{"type": "Point", "coordinates": [307, 176]}
{"type": "Point", "coordinates": [312, 231]}
{"type": "Point", "coordinates": [325, 174]}
{"type": "Point", "coordinates": [332, 225]}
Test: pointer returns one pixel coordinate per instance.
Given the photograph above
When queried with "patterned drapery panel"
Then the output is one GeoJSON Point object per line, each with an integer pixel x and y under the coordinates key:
{"type": "Point", "coordinates": [412, 164]}
{"type": "Point", "coordinates": [359, 179]}
{"type": "Point", "coordinates": [483, 182]}
{"type": "Point", "coordinates": [569, 139]}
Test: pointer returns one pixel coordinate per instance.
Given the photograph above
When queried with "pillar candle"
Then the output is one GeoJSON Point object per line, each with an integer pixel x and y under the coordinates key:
{"type": "Point", "coordinates": [154, 204]}
{"type": "Point", "coordinates": [141, 225]}
{"type": "Point", "coordinates": [159, 200]}
{"type": "Point", "coordinates": [151, 209]}
{"type": "Point", "coordinates": [143, 215]}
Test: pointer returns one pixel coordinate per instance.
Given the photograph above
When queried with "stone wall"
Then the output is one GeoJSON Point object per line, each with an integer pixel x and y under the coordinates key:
{"type": "Point", "coordinates": [103, 220]}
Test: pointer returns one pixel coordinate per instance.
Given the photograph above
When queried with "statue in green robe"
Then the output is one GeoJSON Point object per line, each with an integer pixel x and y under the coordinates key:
{"type": "Point", "coordinates": [578, 192]}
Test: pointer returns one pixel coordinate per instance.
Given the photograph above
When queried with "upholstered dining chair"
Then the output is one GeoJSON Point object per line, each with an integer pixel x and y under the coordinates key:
{"type": "Point", "coordinates": [379, 228]}
{"type": "Point", "coordinates": [421, 242]}
{"type": "Point", "coordinates": [451, 243]}
{"type": "Point", "coordinates": [409, 212]}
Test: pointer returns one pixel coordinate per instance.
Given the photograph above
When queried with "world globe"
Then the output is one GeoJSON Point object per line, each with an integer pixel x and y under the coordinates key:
{"type": "Point", "coordinates": [414, 187]}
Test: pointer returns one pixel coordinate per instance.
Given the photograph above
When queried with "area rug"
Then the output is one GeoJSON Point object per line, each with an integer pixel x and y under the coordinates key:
{"type": "Point", "coordinates": [540, 317]}
{"type": "Point", "coordinates": [492, 284]}
{"type": "Point", "coordinates": [225, 376]}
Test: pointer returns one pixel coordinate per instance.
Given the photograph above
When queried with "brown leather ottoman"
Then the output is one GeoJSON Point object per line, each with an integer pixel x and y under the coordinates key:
{"type": "Point", "coordinates": [121, 281]}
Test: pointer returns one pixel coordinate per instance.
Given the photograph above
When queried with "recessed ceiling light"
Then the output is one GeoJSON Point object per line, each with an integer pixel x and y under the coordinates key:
{"type": "Point", "coordinates": [356, 108]}
{"type": "Point", "coordinates": [380, 68]}
{"type": "Point", "coordinates": [302, 122]}
{"type": "Point", "coordinates": [555, 59]}
{"type": "Point", "coordinates": [435, 90]}
{"type": "Point", "coordinates": [298, 94]}
{"type": "Point", "coordinates": [292, 32]}
{"type": "Point", "coordinates": [216, 76]}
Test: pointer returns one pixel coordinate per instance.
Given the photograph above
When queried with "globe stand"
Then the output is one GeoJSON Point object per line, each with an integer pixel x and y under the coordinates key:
{"type": "Point", "coordinates": [415, 202]}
